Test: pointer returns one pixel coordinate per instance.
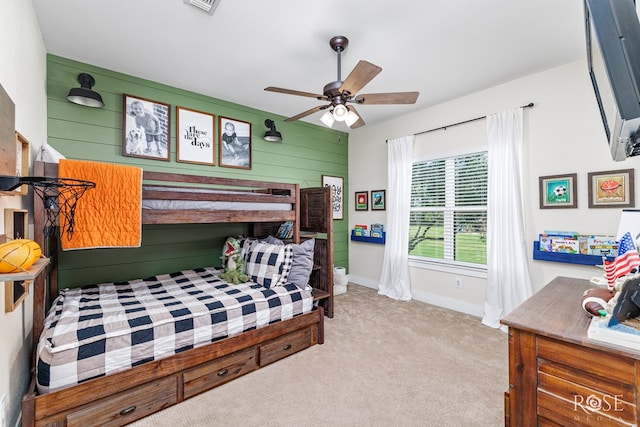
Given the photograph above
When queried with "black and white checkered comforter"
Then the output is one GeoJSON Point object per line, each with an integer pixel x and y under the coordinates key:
{"type": "Point", "coordinates": [100, 330]}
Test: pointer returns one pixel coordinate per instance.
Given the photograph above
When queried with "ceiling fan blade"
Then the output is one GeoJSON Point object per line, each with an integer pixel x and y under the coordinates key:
{"type": "Point", "coordinates": [362, 74]}
{"type": "Point", "coordinates": [294, 92]}
{"type": "Point", "coordinates": [307, 113]}
{"type": "Point", "coordinates": [358, 122]}
{"type": "Point", "coordinates": [387, 98]}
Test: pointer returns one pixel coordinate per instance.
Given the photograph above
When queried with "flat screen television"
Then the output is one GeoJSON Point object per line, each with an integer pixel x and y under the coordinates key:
{"type": "Point", "coordinates": [613, 58]}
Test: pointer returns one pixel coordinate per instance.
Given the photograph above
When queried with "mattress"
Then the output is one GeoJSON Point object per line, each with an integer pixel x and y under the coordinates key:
{"type": "Point", "coordinates": [100, 330]}
{"type": "Point", "coordinates": [169, 204]}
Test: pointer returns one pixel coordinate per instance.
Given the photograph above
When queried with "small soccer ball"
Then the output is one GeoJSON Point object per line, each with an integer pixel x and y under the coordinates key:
{"type": "Point", "coordinates": [560, 191]}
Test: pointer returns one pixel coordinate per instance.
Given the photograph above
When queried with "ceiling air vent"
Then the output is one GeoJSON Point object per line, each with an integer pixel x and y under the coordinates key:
{"type": "Point", "coordinates": [206, 5]}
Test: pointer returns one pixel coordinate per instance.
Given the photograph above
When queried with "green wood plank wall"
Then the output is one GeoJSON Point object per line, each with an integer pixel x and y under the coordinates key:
{"type": "Point", "coordinates": [306, 153]}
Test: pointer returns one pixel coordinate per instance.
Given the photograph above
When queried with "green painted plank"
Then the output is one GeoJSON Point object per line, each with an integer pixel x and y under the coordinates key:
{"type": "Point", "coordinates": [307, 152]}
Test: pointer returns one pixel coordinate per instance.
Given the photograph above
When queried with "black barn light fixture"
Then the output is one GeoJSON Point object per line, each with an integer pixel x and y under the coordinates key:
{"type": "Point", "coordinates": [272, 134]}
{"type": "Point", "coordinates": [83, 95]}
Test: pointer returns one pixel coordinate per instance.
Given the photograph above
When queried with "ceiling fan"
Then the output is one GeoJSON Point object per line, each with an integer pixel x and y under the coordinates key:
{"type": "Point", "coordinates": [341, 95]}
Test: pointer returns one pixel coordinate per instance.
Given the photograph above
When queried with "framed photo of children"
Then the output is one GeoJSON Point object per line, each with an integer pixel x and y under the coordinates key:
{"type": "Point", "coordinates": [362, 201]}
{"type": "Point", "coordinates": [145, 128]}
{"type": "Point", "coordinates": [558, 191]}
{"type": "Point", "coordinates": [195, 139]}
{"type": "Point", "coordinates": [611, 189]}
{"type": "Point", "coordinates": [378, 200]}
{"type": "Point", "coordinates": [337, 193]}
{"type": "Point", "coordinates": [234, 148]}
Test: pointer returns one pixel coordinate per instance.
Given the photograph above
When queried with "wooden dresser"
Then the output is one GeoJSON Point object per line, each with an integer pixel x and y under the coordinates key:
{"type": "Point", "coordinates": [557, 375]}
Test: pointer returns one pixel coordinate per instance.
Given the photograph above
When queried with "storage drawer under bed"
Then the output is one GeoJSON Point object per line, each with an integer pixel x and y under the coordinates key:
{"type": "Point", "coordinates": [284, 346]}
{"type": "Point", "coordinates": [127, 406]}
{"type": "Point", "coordinates": [219, 371]}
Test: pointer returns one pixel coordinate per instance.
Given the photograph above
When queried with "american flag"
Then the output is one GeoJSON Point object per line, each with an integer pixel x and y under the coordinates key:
{"type": "Point", "coordinates": [626, 260]}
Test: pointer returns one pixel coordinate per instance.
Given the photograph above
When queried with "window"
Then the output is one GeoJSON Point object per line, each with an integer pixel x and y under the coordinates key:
{"type": "Point", "coordinates": [448, 220]}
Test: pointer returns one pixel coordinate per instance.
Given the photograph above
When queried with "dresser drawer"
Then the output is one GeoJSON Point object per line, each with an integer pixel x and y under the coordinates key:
{"type": "Point", "coordinates": [284, 346]}
{"type": "Point", "coordinates": [219, 371]}
{"type": "Point", "coordinates": [561, 396]}
{"type": "Point", "coordinates": [599, 364]}
{"type": "Point", "coordinates": [127, 406]}
{"type": "Point", "coordinates": [567, 413]}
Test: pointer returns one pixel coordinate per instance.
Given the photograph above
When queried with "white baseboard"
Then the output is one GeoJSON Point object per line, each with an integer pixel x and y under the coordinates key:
{"type": "Point", "coordinates": [429, 298]}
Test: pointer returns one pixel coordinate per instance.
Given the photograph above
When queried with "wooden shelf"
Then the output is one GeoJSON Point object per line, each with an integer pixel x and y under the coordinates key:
{"type": "Point", "coordinates": [564, 257]}
{"type": "Point", "coordinates": [319, 294]}
{"type": "Point", "coordinates": [31, 273]}
{"type": "Point", "coordinates": [368, 239]}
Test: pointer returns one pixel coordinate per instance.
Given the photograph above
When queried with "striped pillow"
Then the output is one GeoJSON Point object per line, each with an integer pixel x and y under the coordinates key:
{"type": "Point", "coordinates": [269, 265]}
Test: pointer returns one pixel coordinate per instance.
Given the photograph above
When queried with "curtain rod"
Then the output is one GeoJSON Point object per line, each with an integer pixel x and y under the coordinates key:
{"type": "Point", "coordinates": [529, 105]}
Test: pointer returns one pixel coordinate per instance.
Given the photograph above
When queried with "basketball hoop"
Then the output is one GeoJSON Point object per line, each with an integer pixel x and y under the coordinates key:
{"type": "Point", "coordinates": [59, 197]}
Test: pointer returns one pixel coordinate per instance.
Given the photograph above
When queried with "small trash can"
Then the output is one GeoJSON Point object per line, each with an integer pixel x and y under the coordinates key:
{"type": "Point", "coordinates": [340, 280]}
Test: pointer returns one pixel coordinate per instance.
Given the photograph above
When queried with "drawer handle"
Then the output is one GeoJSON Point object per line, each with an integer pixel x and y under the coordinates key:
{"type": "Point", "coordinates": [287, 347]}
{"type": "Point", "coordinates": [223, 372]}
{"type": "Point", "coordinates": [128, 410]}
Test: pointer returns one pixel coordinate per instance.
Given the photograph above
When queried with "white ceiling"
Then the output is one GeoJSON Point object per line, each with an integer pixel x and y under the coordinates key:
{"type": "Point", "coordinates": [442, 48]}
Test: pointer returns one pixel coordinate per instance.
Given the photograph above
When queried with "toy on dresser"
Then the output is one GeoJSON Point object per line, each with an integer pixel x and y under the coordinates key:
{"type": "Point", "coordinates": [595, 301]}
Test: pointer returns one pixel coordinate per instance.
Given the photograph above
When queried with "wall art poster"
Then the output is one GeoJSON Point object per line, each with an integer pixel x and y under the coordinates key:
{"type": "Point", "coordinates": [337, 193]}
{"type": "Point", "coordinates": [194, 136]}
{"type": "Point", "coordinates": [145, 128]}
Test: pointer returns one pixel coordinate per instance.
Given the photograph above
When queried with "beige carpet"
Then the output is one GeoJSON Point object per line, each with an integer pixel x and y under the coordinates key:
{"type": "Point", "coordinates": [384, 363]}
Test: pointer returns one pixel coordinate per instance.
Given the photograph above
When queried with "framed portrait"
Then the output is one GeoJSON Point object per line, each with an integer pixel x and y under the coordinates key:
{"type": "Point", "coordinates": [337, 193]}
{"type": "Point", "coordinates": [195, 139]}
{"type": "Point", "coordinates": [611, 189]}
{"type": "Point", "coordinates": [145, 128]}
{"type": "Point", "coordinates": [558, 191]}
{"type": "Point", "coordinates": [378, 200]}
{"type": "Point", "coordinates": [234, 148]}
{"type": "Point", "coordinates": [362, 201]}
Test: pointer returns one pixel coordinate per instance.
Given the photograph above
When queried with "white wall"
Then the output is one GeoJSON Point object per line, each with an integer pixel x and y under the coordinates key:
{"type": "Point", "coordinates": [23, 76]}
{"type": "Point", "coordinates": [563, 134]}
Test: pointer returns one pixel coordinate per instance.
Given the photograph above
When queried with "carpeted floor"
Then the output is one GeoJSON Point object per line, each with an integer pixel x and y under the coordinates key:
{"type": "Point", "coordinates": [384, 363]}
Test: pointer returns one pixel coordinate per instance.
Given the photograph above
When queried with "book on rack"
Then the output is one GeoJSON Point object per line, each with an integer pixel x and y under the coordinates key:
{"type": "Point", "coordinates": [286, 230]}
{"type": "Point", "coordinates": [377, 230]}
{"type": "Point", "coordinates": [361, 230]}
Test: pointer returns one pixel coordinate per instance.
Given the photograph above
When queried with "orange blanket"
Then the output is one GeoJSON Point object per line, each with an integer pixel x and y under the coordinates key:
{"type": "Point", "coordinates": [110, 214]}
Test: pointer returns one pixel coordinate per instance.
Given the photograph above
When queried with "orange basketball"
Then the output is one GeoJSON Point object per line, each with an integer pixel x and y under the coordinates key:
{"type": "Point", "coordinates": [18, 255]}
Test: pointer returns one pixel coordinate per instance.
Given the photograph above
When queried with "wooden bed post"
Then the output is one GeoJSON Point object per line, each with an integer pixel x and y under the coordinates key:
{"type": "Point", "coordinates": [39, 292]}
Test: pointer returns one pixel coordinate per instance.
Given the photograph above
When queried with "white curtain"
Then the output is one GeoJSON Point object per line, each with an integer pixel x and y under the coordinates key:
{"type": "Point", "coordinates": [508, 280]}
{"type": "Point", "coordinates": [394, 279]}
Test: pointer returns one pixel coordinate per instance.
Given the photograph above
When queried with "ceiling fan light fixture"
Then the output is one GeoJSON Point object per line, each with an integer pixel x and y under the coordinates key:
{"type": "Point", "coordinates": [351, 118]}
{"type": "Point", "coordinates": [327, 119]}
{"type": "Point", "coordinates": [340, 113]}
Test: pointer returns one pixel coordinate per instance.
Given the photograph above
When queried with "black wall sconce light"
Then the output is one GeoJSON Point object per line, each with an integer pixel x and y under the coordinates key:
{"type": "Point", "coordinates": [83, 95]}
{"type": "Point", "coordinates": [272, 134]}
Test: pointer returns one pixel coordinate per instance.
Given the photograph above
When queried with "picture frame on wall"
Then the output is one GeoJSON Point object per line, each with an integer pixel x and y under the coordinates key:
{"type": "Point", "coordinates": [195, 138]}
{"type": "Point", "coordinates": [611, 189]}
{"type": "Point", "coordinates": [145, 128]}
{"type": "Point", "coordinates": [378, 200]}
{"type": "Point", "coordinates": [558, 191]}
{"type": "Point", "coordinates": [234, 147]}
{"type": "Point", "coordinates": [22, 162]}
{"type": "Point", "coordinates": [362, 201]}
{"type": "Point", "coordinates": [337, 193]}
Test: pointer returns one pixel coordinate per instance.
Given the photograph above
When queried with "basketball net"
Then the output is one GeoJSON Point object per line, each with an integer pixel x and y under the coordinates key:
{"type": "Point", "coordinates": [60, 198]}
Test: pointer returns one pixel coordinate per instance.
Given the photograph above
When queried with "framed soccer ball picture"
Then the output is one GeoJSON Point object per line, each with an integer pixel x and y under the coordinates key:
{"type": "Point", "coordinates": [558, 191]}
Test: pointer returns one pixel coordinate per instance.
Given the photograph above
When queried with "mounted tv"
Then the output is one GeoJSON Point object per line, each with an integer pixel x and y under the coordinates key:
{"type": "Point", "coordinates": [613, 58]}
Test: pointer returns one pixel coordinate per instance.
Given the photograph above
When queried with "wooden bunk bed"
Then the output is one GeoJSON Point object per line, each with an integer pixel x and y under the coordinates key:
{"type": "Point", "coordinates": [125, 396]}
